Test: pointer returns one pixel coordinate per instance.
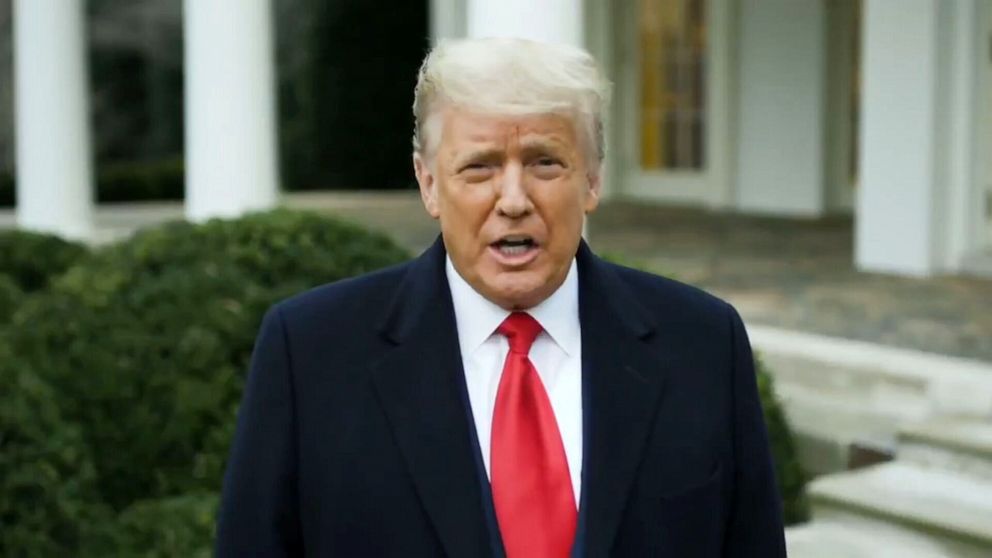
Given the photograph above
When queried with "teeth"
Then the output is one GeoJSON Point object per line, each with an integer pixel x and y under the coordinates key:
{"type": "Point", "coordinates": [513, 250]}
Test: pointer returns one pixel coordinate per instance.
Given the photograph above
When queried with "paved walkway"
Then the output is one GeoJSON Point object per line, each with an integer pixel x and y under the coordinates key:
{"type": "Point", "coordinates": [800, 275]}
{"type": "Point", "coordinates": [778, 272]}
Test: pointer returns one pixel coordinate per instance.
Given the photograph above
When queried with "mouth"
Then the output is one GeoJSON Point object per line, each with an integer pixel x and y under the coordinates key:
{"type": "Point", "coordinates": [515, 250]}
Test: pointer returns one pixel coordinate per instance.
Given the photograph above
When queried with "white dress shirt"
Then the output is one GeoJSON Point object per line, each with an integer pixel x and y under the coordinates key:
{"type": "Point", "coordinates": [556, 354]}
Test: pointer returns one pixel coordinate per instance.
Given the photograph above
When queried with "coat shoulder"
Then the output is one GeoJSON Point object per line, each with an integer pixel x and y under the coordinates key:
{"type": "Point", "coordinates": [352, 298]}
{"type": "Point", "coordinates": [667, 299]}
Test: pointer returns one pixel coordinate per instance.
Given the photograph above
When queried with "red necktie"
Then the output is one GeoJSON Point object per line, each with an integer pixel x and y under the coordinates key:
{"type": "Point", "coordinates": [532, 490]}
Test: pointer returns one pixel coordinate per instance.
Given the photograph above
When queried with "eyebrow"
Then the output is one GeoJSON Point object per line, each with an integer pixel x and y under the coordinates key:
{"type": "Point", "coordinates": [531, 146]}
{"type": "Point", "coordinates": [473, 155]}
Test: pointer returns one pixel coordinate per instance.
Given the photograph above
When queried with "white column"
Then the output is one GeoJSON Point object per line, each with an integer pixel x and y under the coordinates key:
{"type": "Point", "coordinates": [231, 159]}
{"type": "Point", "coordinates": [447, 19]}
{"type": "Point", "coordinates": [896, 224]}
{"type": "Point", "coordinates": [551, 21]}
{"type": "Point", "coordinates": [52, 139]}
{"type": "Point", "coordinates": [781, 151]}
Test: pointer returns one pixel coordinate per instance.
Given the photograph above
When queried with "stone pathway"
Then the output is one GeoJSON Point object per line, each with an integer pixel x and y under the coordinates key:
{"type": "Point", "coordinates": [798, 274]}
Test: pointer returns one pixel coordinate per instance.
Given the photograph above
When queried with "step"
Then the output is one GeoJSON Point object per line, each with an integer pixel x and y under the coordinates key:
{"type": "Point", "coordinates": [953, 510]}
{"type": "Point", "coordinates": [840, 395]}
{"type": "Point", "coordinates": [943, 385]}
{"type": "Point", "coordinates": [829, 427]}
{"type": "Point", "coordinates": [958, 444]}
{"type": "Point", "coordinates": [861, 539]}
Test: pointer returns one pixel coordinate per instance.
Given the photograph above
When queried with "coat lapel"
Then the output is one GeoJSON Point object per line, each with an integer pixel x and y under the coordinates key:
{"type": "Point", "coordinates": [622, 382]}
{"type": "Point", "coordinates": [417, 382]}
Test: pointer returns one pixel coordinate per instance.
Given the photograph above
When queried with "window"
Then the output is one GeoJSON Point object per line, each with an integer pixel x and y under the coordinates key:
{"type": "Point", "coordinates": [672, 39]}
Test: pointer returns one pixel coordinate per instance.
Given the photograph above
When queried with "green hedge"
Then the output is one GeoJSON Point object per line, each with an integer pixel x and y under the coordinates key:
{"type": "Point", "coordinates": [47, 476]}
{"type": "Point", "coordinates": [30, 259]}
{"type": "Point", "coordinates": [179, 526]}
{"type": "Point", "coordinates": [147, 342]}
{"type": "Point", "coordinates": [10, 297]}
{"type": "Point", "coordinates": [788, 470]}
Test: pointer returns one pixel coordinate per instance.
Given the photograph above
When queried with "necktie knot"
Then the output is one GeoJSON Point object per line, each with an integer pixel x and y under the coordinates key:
{"type": "Point", "coordinates": [521, 330]}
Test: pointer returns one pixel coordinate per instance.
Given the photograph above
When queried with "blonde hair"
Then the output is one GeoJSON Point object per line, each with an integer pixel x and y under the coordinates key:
{"type": "Point", "coordinates": [512, 77]}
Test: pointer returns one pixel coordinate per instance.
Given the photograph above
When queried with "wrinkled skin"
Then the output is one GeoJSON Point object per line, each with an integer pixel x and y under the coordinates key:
{"type": "Point", "coordinates": [513, 179]}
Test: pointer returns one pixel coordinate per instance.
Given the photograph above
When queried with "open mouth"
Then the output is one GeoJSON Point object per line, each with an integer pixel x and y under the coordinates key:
{"type": "Point", "coordinates": [514, 245]}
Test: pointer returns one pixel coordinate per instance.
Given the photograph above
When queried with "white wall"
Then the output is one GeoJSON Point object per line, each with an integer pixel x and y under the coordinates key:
{"type": "Point", "coordinates": [781, 150]}
{"type": "Point", "coordinates": [553, 21]}
{"type": "Point", "coordinates": [895, 225]}
{"type": "Point", "coordinates": [915, 201]}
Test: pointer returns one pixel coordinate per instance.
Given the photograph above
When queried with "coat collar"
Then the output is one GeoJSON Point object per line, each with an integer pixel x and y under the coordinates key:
{"type": "Point", "coordinates": [622, 381]}
{"type": "Point", "coordinates": [426, 280]}
{"type": "Point", "coordinates": [419, 382]}
{"type": "Point", "coordinates": [419, 379]}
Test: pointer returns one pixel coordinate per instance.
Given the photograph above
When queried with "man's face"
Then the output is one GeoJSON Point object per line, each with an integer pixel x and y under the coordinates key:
{"type": "Point", "coordinates": [510, 193]}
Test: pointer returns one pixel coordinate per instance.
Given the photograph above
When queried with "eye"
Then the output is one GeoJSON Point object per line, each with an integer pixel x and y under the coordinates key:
{"type": "Point", "coordinates": [476, 172]}
{"type": "Point", "coordinates": [547, 167]}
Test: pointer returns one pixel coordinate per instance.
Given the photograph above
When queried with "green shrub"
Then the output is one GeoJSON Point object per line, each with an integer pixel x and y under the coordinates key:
{"type": "Point", "coordinates": [10, 297]}
{"type": "Point", "coordinates": [788, 471]}
{"type": "Point", "coordinates": [177, 527]}
{"type": "Point", "coordinates": [47, 478]}
{"type": "Point", "coordinates": [31, 259]}
{"type": "Point", "coordinates": [148, 340]}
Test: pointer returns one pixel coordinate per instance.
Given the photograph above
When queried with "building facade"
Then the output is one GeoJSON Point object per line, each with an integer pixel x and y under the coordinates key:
{"type": "Point", "coordinates": [880, 109]}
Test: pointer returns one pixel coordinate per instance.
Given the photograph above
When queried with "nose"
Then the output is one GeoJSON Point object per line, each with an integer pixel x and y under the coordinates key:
{"type": "Point", "coordinates": [512, 199]}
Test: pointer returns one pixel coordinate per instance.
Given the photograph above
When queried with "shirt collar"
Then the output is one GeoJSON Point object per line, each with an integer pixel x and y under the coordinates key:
{"type": "Point", "coordinates": [477, 317]}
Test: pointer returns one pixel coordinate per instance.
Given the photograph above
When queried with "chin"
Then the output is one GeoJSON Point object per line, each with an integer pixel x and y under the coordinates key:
{"type": "Point", "coordinates": [520, 296]}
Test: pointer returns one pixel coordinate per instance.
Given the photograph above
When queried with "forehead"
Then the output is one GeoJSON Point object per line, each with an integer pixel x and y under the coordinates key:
{"type": "Point", "coordinates": [464, 129]}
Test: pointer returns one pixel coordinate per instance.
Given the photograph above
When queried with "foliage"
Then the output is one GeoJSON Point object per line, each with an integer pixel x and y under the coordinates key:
{"type": "Point", "coordinates": [47, 478]}
{"type": "Point", "coordinates": [10, 297]}
{"type": "Point", "coordinates": [788, 470]}
{"type": "Point", "coordinates": [31, 259]}
{"type": "Point", "coordinates": [147, 342]}
{"type": "Point", "coordinates": [175, 527]}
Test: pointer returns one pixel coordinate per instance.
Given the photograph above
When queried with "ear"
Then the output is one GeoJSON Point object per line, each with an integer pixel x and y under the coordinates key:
{"type": "Point", "coordinates": [428, 185]}
{"type": "Point", "coordinates": [593, 189]}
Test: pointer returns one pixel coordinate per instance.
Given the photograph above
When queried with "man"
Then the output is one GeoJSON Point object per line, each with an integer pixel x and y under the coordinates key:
{"type": "Point", "coordinates": [507, 392]}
